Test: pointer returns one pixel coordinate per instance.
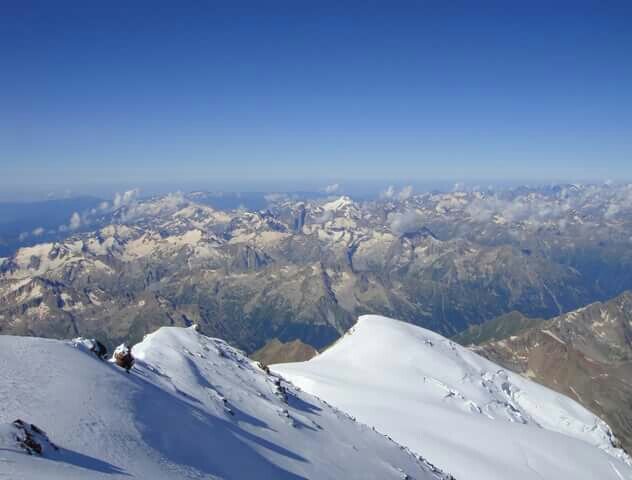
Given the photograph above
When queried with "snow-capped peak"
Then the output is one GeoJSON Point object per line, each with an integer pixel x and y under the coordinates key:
{"type": "Point", "coordinates": [466, 413]}
{"type": "Point", "coordinates": [191, 407]}
{"type": "Point", "coordinates": [340, 203]}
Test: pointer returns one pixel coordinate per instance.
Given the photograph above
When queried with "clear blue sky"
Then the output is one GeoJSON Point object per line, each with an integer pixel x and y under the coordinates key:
{"type": "Point", "coordinates": [182, 91]}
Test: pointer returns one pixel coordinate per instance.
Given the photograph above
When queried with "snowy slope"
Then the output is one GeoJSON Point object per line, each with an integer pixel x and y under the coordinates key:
{"type": "Point", "coordinates": [464, 413]}
{"type": "Point", "coordinates": [192, 408]}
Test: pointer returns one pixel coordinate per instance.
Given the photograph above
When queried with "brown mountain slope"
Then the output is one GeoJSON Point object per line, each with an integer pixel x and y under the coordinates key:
{"type": "Point", "coordinates": [585, 354]}
{"type": "Point", "coordinates": [276, 351]}
{"type": "Point", "coordinates": [500, 327]}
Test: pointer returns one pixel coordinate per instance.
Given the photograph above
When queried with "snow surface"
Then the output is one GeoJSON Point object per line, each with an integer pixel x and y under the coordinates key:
{"type": "Point", "coordinates": [191, 408]}
{"type": "Point", "coordinates": [338, 204]}
{"type": "Point", "coordinates": [466, 414]}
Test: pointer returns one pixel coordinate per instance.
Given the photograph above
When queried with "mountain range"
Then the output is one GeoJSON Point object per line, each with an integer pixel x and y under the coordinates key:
{"type": "Point", "coordinates": [306, 269]}
{"type": "Point", "coordinates": [283, 282]}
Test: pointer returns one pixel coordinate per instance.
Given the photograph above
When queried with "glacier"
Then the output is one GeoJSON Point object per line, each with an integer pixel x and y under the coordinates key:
{"type": "Point", "coordinates": [466, 414]}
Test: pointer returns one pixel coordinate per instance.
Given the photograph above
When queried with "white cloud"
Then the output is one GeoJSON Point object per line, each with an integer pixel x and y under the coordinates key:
{"type": "Point", "coordinates": [23, 236]}
{"type": "Point", "coordinates": [536, 209]}
{"type": "Point", "coordinates": [131, 207]}
{"type": "Point", "coordinates": [126, 198]}
{"type": "Point", "coordinates": [38, 232]}
{"type": "Point", "coordinates": [75, 221]}
{"type": "Point", "coordinates": [333, 188]}
{"type": "Point", "coordinates": [275, 197]}
{"type": "Point", "coordinates": [389, 192]}
{"type": "Point", "coordinates": [406, 222]}
{"type": "Point", "coordinates": [134, 209]}
{"type": "Point", "coordinates": [405, 193]}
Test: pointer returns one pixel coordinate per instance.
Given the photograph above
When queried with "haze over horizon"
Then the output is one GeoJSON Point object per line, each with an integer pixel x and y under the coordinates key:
{"type": "Point", "coordinates": [259, 190]}
{"type": "Point", "coordinates": [245, 96]}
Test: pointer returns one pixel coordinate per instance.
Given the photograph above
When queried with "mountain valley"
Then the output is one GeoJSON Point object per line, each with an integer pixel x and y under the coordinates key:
{"type": "Point", "coordinates": [306, 269]}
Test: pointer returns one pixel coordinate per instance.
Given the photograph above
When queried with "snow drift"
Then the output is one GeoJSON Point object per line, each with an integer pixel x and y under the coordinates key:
{"type": "Point", "coordinates": [465, 413]}
{"type": "Point", "coordinates": [192, 408]}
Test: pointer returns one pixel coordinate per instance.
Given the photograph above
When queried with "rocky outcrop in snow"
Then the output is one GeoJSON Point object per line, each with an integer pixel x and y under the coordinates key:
{"type": "Point", "coordinates": [192, 408]}
{"type": "Point", "coordinates": [26, 436]}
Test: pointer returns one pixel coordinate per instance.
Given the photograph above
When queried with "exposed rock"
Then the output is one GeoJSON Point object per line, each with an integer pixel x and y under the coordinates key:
{"type": "Point", "coordinates": [501, 327]}
{"type": "Point", "coordinates": [585, 354]}
{"type": "Point", "coordinates": [123, 357]}
{"type": "Point", "coordinates": [276, 351]}
{"type": "Point", "coordinates": [31, 439]}
{"type": "Point", "coordinates": [93, 345]}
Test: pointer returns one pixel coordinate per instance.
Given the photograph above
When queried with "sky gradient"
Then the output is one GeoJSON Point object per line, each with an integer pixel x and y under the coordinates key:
{"type": "Point", "coordinates": [237, 92]}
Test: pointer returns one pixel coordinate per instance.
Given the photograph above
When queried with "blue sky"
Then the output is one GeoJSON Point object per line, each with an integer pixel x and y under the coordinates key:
{"type": "Point", "coordinates": [240, 93]}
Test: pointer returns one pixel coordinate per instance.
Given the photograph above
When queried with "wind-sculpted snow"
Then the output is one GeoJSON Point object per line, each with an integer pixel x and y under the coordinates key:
{"type": "Point", "coordinates": [191, 408]}
{"type": "Point", "coordinates": [468, 415]}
